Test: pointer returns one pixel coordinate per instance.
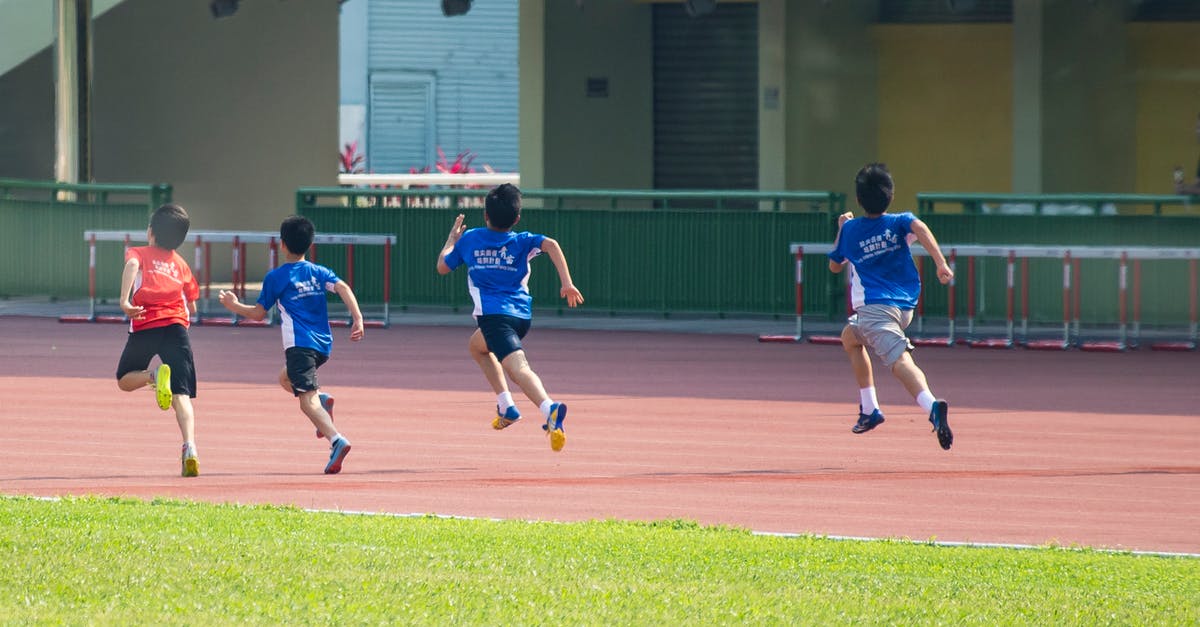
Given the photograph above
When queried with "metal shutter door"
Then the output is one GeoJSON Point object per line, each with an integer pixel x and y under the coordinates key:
{"type": "Point", "coordinates": [706, 98]}
{"type": "Point", "coordinates": [401, 127]}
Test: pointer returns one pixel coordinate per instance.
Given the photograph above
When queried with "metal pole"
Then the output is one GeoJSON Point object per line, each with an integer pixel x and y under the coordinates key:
{"type": "Point", "coordinates": [73, 91]}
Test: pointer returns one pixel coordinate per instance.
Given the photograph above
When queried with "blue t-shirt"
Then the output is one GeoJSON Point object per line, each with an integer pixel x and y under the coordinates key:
{"type": "Point", "coordinates": [299, 290]}
{"type": "Point", "coordinates": [882, 269]}
{"type": "Point", "coordinates": [497, 269]}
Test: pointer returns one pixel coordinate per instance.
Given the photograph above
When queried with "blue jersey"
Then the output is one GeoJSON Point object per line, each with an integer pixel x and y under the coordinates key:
{"type": "Point", "coordinates": [299, 290]}
{"type": "Point", "coordinates": [497, 269]}
{"type": "Point", "coordinates": [882, 269]}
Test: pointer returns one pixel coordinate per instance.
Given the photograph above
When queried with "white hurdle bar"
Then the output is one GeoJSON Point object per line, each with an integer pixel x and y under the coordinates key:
{"type": "Point", "coordinates": [238, 239]}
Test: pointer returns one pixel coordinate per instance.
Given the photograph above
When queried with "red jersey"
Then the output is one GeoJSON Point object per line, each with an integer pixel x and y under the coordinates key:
{"type": "Point", "coordinates": [164, 286]}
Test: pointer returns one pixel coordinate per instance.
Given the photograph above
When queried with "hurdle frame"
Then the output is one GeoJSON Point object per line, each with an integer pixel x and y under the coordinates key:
{"type": "Point", "coordinates": [238, 240]}
{"type": "Point", "coordinates": [1127, 334]}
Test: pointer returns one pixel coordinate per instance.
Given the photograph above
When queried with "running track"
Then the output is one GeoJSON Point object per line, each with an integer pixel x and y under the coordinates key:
{"type": "Point", "coordinates": [1072, 448]}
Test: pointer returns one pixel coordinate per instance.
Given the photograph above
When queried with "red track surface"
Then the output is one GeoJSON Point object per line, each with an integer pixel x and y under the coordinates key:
{"type": "Point", "coordinates": [1091, 449]}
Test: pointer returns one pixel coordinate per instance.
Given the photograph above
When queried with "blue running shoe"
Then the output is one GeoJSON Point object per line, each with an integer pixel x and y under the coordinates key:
{"type": "Point", "coordinates": [554, 426]}
{"type": "Point", "coordinates": [867, 422]}
{"type": "Point", "coordinates": [940, 418]}
{"type": "Point", "coordinates": [327, 403]}
{"type": "Point", "coordinates": [337, 452]}
{"type": "Point", "coordinates": [505, 418]}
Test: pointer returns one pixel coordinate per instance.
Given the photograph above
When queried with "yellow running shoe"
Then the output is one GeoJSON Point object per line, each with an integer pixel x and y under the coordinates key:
{"type": "Point", "coordinates": [505, 419]}
{"type": "Point", "coordinates": [162, 387]}
{"type": "Point", "coordinates": [554, 426]}
{"type": "Point", "coordinates": [191, 467]}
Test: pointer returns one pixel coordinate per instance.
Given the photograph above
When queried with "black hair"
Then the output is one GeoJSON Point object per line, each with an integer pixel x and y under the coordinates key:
{"type": "Point", "coordinates": [297, 234]}
{"type": "Point", "coordinates": [169, 224]}
{"type": "Point", "coordinates": [874, 188]}
{"type": "Point", "coordinates": [503, 206]}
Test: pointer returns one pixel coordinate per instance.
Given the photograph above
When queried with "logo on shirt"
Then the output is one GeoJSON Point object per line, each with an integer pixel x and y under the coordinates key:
{"type": "Point", "coordinates": [166, 268]}
{"type": "Point", "coordinates": [307, 288]}
{"type": "Point", "coordinates": [878, 244]}
{"type": "Point", "coordinates": [493, 257]}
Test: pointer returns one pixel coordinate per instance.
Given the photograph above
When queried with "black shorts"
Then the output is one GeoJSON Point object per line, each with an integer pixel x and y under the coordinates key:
{"type": "Point", "coordinates": [302, 364]}
{"type": "Point", "coordinates": [502, 333]}
{"type": "Point", "coordinates": [172, 346]}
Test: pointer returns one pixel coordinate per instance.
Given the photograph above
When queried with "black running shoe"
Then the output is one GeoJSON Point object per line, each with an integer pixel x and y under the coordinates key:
{"type": "Point", "coordinates": [939, 416]}
{"type": "Point", "coordinates": [867, 422]}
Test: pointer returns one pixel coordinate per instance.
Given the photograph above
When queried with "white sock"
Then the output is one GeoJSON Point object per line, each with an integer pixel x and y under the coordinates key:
{"type": "Point", "coordinates": [867, 397]}
{"type": "Point", "coordinates": [545, 407]}
{"type": "Point", "coordinates": [925, 400]}
{"type": "Point", "coordinates": [504, 400]}
{"type": "Point", "coordinates": [335, 438]}
{"type": "Point", "coordinates": [190, 446]}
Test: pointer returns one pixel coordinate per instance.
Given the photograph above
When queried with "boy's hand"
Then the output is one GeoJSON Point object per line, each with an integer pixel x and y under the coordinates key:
{"type": "Point", "coordinates": [356, 330]}
{"type": "Point", "coordinates": [944, 273]}
{"type": "Point", "coordinates": [842, 219]}
{"type": "Point", "coordinates": [228, 299]}
{"type": "Point", "coordinates": [456, 230]}
{"type": "Point", "coordinates": [572, 294]}
{"type": "Point", "coordinates": [134, 312]}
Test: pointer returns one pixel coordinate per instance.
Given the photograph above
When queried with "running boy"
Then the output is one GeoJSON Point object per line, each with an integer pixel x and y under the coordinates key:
{"type": "Point", "coordinates": [158, 294]}
{"type": "Point", "coordinates": [298, 287]}
{"type": "Point", "coordinates": [884, 287]}
{"type": "Point", "coordinates": [497, 262]}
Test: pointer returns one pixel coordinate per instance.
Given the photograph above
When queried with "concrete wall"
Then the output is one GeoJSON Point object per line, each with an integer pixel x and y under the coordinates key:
{"type": "Point", "coordinates": [235, 113]}
{"type": "Point", "coordinates": [598, 142]}
{"type": "Point", "coordinates": [1088, 98]}
{"type": "Point", "coordinates": [945, 108]}
{"type": "Point", "coordinates": [1167, 58]}
{"type": "Point", "coordinates": [832, 95]}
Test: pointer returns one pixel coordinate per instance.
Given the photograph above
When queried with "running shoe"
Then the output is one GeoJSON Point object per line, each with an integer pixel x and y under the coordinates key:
{"type": "Point", "coordinates": [867, 422]}
{"type": "Point", "coordinates": [191, 467]}
{"type": "Point", "coordinates": [940, 418]}
{"type": "Point", "coordinates": [327, 403]}
{"type": "Point", "coordinates": [505, 418]}
{"type": "Point", "coordinates": [337, 452]}
{"type": "Point", "coordinates": [162, 387]}
{"type": "Point", "coordinates": [554, 426]}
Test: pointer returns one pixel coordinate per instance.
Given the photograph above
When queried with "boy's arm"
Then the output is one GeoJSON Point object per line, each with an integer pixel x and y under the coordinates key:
{"type": "Point", "coordinates": [834, 266]}
{"type": "Point", "coordinates": [356, 320]}
{"type": "Point", "coordinates": [569, 291]}
{"type": "Point", "coordinates": [925, 236]}
{"type": "Point", "coordinates": [127, 276]}
{"type": "Point", "coordinates": [456, 231]}
{"type": "Point", "coordinates": [231, 302]}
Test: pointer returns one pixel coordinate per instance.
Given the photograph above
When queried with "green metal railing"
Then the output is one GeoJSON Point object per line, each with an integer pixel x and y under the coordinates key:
{"type": "Point", "coordinates": [1047, 204]}
{"type": "Point", "coordinates": [41, 232]}
{"type": "Point", "coordinates": [630, 251]}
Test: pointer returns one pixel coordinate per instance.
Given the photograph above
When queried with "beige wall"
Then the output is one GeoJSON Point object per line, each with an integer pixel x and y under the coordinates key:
{"type": "Point", "coordinates": [1167, 58]}
{"type": "Point", "coordinates": [235, 113]}
{"type": "Point", "coordinates": [598, 142]}
{"type": "Point", "coordinates": [945, 108]}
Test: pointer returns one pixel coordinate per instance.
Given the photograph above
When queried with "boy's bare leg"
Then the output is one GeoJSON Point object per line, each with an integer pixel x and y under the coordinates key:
{"type": "Point", "coordinates": [858, 358]}
{"type": "Point", "coordinates": [310, 404]}
{"type": "Point", "coordinates": [910, 375]}
{"type": "Point", "coordinates": [284, 381]}
{"type": "Point", "coordinates": [487, 362]}
{"type": "Point", "coordinates": [185, 416]}
{"type": "Point", "coordinates": [518, 368]}
{"type": "Point", "coordinates": [135, 380]}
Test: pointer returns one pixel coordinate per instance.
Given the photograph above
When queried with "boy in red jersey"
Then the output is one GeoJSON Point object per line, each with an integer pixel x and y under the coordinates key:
{"type": "Point", "coordinates": [158, 293]}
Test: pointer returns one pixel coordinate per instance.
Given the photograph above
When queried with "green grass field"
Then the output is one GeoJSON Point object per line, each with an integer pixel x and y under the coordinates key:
{"type": "Point", "coordinates": [111, 561]}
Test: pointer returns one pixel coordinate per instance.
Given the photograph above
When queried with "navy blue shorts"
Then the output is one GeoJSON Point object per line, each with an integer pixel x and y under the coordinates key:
{"type": "Point", "coordinates": [502, 333]}
{"type": "Point", "coordinates": [172, 346]}
{"type": "Point", "coordinates": [302, 364]}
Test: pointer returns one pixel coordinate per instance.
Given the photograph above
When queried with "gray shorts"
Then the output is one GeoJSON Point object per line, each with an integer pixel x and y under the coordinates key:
{"type": "Point", "coordinates": [881, 328]}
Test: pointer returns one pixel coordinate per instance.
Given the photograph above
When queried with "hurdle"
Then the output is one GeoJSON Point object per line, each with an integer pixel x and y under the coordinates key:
{"type": "Point", "coordinates": [238, 240]}
{"type": "Point", "coordinates": [1127, 332]}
